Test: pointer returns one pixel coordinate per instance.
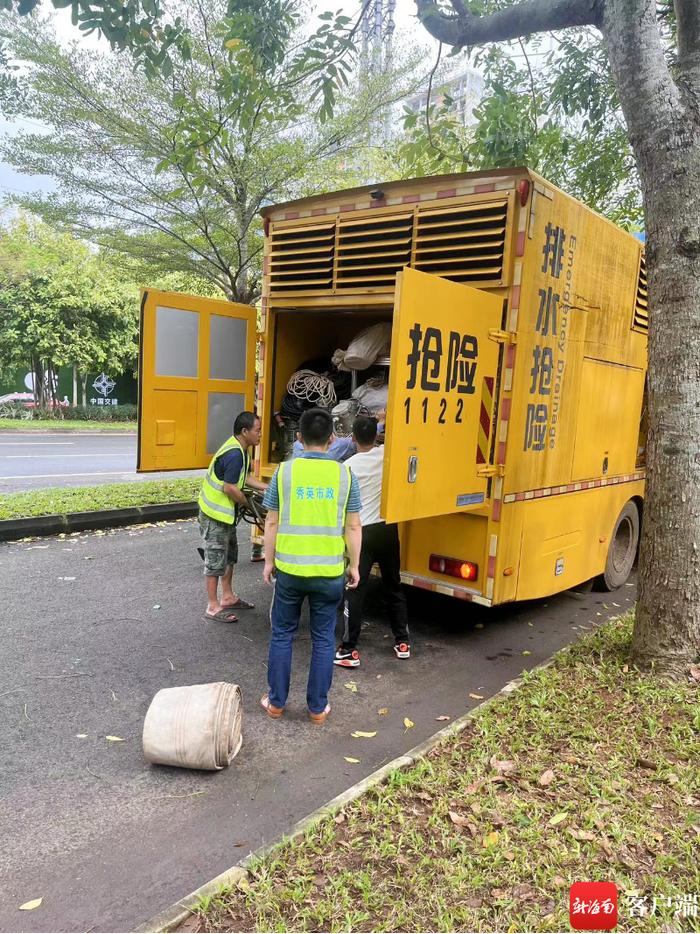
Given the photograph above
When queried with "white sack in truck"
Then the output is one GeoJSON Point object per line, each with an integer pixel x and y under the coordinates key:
{"type": "Point", "coordinates": [373, 395]}
{"type": "Point", "coordinates": [364, 349]}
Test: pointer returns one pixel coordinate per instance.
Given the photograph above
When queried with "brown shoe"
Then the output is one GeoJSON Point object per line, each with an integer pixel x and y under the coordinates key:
{"type": "Point", "coordinates": [320, 718]}
{"type": "Point", "coordinates": [270, 710]}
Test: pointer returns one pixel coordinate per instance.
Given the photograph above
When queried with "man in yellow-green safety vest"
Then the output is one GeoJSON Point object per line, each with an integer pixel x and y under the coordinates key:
{"type": "Point", "coordinates": [313, 518]}
{"type": "Point", "coordinates": [221, 493]}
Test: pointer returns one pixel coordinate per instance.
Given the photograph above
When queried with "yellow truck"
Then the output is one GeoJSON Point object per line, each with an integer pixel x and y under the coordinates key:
{"type": "Point", "coordinates": [515, 434]}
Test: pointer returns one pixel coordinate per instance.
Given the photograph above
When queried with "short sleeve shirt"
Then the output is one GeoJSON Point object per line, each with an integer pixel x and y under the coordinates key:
{"type": "Point", "coordinates": [227, 466]}
{"type": "Point", "coordinates": [271, 500]}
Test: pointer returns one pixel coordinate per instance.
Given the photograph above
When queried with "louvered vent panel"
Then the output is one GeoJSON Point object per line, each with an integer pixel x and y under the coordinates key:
{"type": "Point", "coordinates": [371, 250]}
{"type": "Point", "coordinates": [641, 305]}
{"type": "Point", "coordinates": [301, 258]}
{"type": "Point", "coordinates": [464, 243]}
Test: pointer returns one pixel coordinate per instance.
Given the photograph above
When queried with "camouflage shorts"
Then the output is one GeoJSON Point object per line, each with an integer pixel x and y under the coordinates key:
{"type": "Point", "coordinates": [220, 545]}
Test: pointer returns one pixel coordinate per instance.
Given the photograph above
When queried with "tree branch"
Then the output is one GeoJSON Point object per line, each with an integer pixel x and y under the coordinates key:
{"type": "Point", "coordinates": [522, 19]}
{"type": "Point", "coordinates": [688, 32]}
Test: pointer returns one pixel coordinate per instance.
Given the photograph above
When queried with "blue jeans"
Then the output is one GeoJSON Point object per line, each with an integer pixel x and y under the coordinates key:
{"type": "Point", "coordinates": [324, 593]}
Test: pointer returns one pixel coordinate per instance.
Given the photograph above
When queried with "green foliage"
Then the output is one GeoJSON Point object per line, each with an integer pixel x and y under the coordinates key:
{"type": "Point", "coordinates": [57, 415]}
{"type": "Point", "coordinates": [172, 173]}
{"type": "Point", "coordinates": [137, 25]}
{"type": "Point", "coordinates": [257, 34]}
{"type": "Point", "coordinates": [67, 424]}
{"type": "Point", "coordinates": [61, 304]}
{"type": "Point", "coordinates": [553, 109]}
{"type": "Point", "coordinates": [61, 500]}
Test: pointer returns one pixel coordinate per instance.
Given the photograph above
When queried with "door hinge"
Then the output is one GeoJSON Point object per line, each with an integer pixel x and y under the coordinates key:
{"type": "Point", "coordinates": [490, 470]}
{"type": "Point", "coordinates": [502, 337]}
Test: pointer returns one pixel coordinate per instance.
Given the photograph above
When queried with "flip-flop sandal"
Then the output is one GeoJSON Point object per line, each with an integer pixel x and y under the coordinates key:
{"type": "Point", "coordinates": [240, 604]}
{"type": "Point", "coordinates": [223, 616]}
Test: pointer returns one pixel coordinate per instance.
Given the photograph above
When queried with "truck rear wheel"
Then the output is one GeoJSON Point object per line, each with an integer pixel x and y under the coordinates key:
{"type": "Point", "coordinates": [622, 549]}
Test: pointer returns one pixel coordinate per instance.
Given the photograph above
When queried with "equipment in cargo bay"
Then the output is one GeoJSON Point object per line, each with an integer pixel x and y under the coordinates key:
{"type": "Point", "coordinates": [515, 377]}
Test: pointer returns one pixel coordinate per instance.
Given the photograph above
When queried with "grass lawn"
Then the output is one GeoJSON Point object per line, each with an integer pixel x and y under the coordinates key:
{"type": "Point", "coordinates": [106, 496]}
{"type": "Point", "coordinates": [67, 424]}
{"type": "Point", "coordinates": [587, 772]}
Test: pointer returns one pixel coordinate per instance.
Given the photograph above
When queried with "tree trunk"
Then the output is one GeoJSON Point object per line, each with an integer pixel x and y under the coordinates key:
{"type": "Point", "coordinates": [39, 387]}
{"type": "Point", "coordinates": [75, 385]}
{"type": "Point", "coordinates": [664, 127]}
{"type": "Point", "coordinates": [84, 387]}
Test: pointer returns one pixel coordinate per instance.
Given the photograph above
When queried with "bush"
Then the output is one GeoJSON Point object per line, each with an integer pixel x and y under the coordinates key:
{"type": "Point", "coordinates": [82, 413]}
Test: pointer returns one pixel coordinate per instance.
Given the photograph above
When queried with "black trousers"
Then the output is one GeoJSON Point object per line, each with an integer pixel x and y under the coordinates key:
{"type": "Point", "coordinates": [380, 544]}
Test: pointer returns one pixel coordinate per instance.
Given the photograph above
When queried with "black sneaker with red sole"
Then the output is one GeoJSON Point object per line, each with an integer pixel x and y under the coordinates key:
{"type": "Point", "coordinates": [345, 659]}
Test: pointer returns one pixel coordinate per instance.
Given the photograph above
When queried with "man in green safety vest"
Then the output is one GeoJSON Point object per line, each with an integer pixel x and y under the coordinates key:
{"type": "Point", "coordinates": [313, 517]}
{"type": "Point", "coordinates": [220, 496]}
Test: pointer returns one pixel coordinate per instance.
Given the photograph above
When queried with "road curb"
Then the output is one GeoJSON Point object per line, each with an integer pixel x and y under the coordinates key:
{"type": "Point", "coordinates": [171, 918]}
{"type": "Point", "coordinates": [13, 529]}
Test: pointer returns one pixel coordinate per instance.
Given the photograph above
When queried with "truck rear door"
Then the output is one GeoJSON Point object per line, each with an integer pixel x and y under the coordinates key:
{"type": "Point", "coordinates": [441, 395]}
{"type": "Point", "coordinates": [196, 373]}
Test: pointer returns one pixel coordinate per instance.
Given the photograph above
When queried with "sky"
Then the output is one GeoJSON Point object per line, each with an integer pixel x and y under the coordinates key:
{"type": "Point", "coordinates": [12, 182]}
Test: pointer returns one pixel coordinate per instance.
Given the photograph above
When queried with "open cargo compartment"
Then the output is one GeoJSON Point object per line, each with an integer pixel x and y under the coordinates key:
{"type": "Point", "coordinates": [295, 337]}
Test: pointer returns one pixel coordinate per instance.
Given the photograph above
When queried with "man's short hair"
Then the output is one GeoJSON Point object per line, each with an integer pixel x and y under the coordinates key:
{"type": "Point", "coordinates": [244, 422]}
{"type": "Point", "coordinates": [365, 429]}
{"type": "Point", "coordinates": [316, 426]}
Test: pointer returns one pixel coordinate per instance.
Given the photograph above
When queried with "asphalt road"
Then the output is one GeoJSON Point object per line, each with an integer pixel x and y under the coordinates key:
{"type": "Point", "coordinates": [92, 625]}
{"type": "Point", "coordinates": [33, 460]}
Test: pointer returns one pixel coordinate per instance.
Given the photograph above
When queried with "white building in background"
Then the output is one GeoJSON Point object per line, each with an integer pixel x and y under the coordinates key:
{"type": "Point", "coordinates": [466, 90]}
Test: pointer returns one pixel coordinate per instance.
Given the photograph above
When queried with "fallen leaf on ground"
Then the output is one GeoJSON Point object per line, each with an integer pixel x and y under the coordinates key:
{"type": "Point", "coordinates": [408, 723]}
{"type": "Point", "coordinates": [502, 766]}
{"type": "Point", "coordinates": [156, 606]}
{"type": "Point", "coordinates": [424, 796]}
{"type": "Point", "coordinates": [351, 686]}
{"type": "Point", "coordinates": [558, 818]}
{"type": "Point", "coordinates": [81, 735]}
{"type": "Point", "coordinates": [695, 672]}
{"type": "Point", "coordinates": [360, 734]}
{"type": "Point", "coordinates": [339, 818]}
{"type": "Point", "coordinates": [442, 717]}
{"type": "Point", "coordinates": [625, 669]}
{"type": "Point", "coordinates": [459, 820]}
{"type": "Point", "coordinates": [526, 652]}
{"type": "Point", "coordinates": [350, 759]}
{"type": "Point", "coordinates": [31, 905]}
{"type": "Point", "coordinates": [559, 881]}
{"type": "Point", "coordinates": [383, 711]}
{"type": "Point", "coordinates": [524, 892]}
{"type": "Point", "coordinates": [476, 696]}
{"type": "Point", "coordinates": [645, 764]}
{"type": "Point", "coordinates": [241, 843]}
{"type": "Point", "coordinates": [546, 778]}
{"type": "Point", "coordinates": [582, 834]}
{"type": "Point", "coordinates": [114, 739]}
{"type": "Point", "coordinates": [672, 778]}
{"type": "Point", "coordinates": [491, 839]}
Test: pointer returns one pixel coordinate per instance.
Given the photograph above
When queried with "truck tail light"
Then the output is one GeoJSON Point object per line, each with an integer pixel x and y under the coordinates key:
{"type": "Point", "coordinates": [455, 567]}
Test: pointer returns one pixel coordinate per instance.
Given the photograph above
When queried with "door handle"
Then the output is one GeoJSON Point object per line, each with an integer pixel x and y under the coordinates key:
{"type": "Point", "coordinates": [412, 468]}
